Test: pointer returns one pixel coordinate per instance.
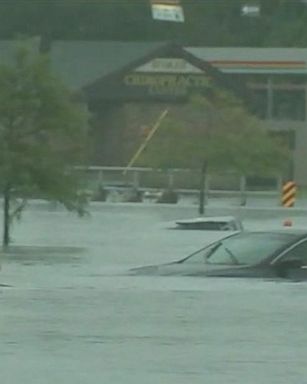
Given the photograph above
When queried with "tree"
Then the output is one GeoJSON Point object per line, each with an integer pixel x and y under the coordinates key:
{"type": "Point", "coordinates": [207, 22]}
{"type": "Point", "coordinates": [218, 129]}
{"type": "Point", "coordinates": [42, 135]}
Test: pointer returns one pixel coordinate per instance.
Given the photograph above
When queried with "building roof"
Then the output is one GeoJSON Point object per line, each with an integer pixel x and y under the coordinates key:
{"type": "Point", "coordinates": [247, 60]}
{"type": "Point", "coordinates": [80, 63]}
{"type": "Point", "coordinates": [6, 51]}
{"type": "Point", "coordinates": [8, 48]}
{"type": "Point", "coordinates": [177, 70]}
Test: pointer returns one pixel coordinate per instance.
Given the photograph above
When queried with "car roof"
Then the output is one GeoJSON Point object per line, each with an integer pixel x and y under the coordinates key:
{"type": "Point", "coordinates": [292, 234]}
{"type": "Point", "coordinates": [286, 230]}
{"type": "Point", "coordinates": [208, 219]}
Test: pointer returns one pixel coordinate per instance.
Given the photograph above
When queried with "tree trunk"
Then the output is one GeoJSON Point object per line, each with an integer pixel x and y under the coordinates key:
{"type": "Point", "coordinates": [6, 217]}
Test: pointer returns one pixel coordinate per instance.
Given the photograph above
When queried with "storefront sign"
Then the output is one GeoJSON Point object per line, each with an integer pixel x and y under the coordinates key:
{"type": "Point", "coordinates": [168, 65]}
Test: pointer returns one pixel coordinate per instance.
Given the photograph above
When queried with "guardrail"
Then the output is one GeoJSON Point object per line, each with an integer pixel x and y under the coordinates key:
{"type": "Point", "coordinates": [150, 181]}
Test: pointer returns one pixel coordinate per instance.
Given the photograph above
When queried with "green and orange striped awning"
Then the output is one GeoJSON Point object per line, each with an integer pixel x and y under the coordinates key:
{"type": "Point", "coordinates": [239, 66]}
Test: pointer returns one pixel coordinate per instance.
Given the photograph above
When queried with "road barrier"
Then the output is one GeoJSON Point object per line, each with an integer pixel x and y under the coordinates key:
{"type": "Point", "coordinates": [288, 194]}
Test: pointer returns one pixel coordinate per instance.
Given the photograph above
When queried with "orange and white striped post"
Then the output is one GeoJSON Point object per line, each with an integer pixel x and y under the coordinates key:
{"type": "Point", "coordinates": [288, 194]}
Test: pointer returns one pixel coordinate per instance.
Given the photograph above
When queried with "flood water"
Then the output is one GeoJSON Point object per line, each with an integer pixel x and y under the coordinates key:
{"type": "Point", "coordinates": [74, 315]}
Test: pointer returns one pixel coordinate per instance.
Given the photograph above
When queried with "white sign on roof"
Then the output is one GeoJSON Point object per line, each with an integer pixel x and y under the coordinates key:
{"type": "Point", "coordinates": [251, 10]}
{"type": "Point", "coordinates": [168, 65]}
{"type": "Point", "coordinates": [167, 12]}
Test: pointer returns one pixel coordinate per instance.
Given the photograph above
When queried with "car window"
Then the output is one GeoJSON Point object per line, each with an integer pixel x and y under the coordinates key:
{"type": "Point", "coordinates": [297, 252]}
{"type": "Point", "coordinates": [248, 248]}
{"type": "Point", "coordinates": [201, 256]}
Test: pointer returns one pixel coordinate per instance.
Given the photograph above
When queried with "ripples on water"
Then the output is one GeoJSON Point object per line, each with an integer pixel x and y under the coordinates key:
{"type": "Point", "coordinates": [74, 315]}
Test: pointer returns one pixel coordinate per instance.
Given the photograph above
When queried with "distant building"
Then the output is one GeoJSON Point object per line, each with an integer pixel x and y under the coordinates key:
{"type": "Point", "coordinates": [125, 84]}
{"type": "Point", "coordinates": [277, 80]}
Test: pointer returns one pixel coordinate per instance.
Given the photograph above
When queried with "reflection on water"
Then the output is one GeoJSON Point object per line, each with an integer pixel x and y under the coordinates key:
{"type": "Point", "coordinates": [74, 315]}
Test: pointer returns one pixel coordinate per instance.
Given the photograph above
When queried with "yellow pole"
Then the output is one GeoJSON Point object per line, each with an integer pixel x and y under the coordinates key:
{"type": "Point", "coordinates": [147, 139]}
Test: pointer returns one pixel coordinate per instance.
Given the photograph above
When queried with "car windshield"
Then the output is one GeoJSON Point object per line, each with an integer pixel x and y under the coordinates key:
{"type": "Point", "coordinates": [243, 248]}
{"type": "Point", "coordinates": [247, 248]}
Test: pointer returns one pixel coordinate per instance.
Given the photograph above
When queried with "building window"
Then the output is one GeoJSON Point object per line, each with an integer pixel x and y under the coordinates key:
{"type": "Point", "coordinates": [260, 103]}
{"type": "Point", "coordinates": [288, 105]}
{"type": "Point", "coordinates": [279, 101]}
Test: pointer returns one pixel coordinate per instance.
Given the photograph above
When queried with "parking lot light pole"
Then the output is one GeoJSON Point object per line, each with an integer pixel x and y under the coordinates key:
{"type": "Point", "coordinates": [203, 176]}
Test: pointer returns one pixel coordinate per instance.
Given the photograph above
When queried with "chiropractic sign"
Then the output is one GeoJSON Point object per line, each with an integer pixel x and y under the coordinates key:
{"type": "Point", "coordinates": [167, 76]}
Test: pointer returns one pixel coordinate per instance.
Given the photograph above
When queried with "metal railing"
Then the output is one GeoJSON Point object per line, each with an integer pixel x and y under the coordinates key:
{"type": "Point", "coordinates": [182, 181]}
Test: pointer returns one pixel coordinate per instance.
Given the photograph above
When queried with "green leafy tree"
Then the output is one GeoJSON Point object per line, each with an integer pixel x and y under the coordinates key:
{"type": "Point", "coordinates": [42, 135]}
{"type": "Point", "coordinates": [219, 130]}
{"type": "Point", "coordinates": [207, 22]}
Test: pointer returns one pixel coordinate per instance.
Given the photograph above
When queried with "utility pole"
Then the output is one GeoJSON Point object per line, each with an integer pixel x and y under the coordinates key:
{"type": "Point", "coordinates": [203, 175]}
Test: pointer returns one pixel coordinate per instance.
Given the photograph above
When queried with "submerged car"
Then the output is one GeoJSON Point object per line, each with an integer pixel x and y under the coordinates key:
{"type": "Point", "coordinates": [263, 254]}
{"type": "Point", "coordinates": [214, 223]}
